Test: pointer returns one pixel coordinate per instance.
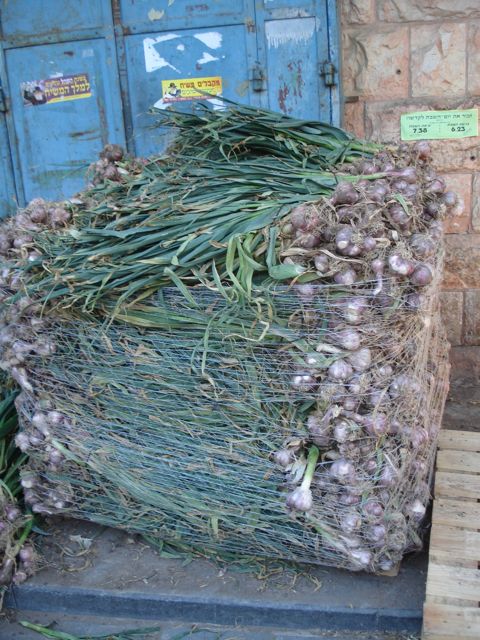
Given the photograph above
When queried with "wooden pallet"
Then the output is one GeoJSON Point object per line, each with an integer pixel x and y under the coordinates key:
{"type": "Point", "coordinates": [452, 604]}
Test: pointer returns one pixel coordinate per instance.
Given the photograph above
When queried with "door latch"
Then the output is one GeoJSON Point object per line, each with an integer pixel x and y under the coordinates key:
{"type": "Point", "coordinates": [3, 104]}
{"type": "Point", "coordinates": [328, 72]}
{"type": "Point", "coordinates": [258, 77]}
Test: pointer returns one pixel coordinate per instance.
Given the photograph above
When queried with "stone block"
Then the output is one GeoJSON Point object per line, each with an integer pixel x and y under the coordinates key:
{"type": "Point", "coordinates": [382, 119]}
{"type": "Point", "coordinates": [456, 155]}
{"type": "Point", "coordinates": [472, 317]}
{"type": "Point", "coordinates": [357, 11]}
{"type": "Point", "coordinates": [461, 183]}
{"type": "Point", "coordinates": [452, 315]}
{"type": "Point", "coordinates": [462, 261]}
{"type": "Point", "coordinates": [382, 122]}
{"type": "Point", "coordinates": [438, 59]}
{"type": "Point", "coordinates": [473, 59]}
{"type": "Point", "coordinates": [476, 202]}
{"type": "Point", "coordinates": [465, 363]}
{"type": "Point", "coordinates": [412, 10]}
{"type": "Point", "coordinates": [375, 62]}
{"type": "Point", "coordinates": [353, 118]}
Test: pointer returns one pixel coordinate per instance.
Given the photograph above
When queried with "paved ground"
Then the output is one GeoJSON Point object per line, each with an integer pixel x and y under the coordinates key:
{"type": "Point", "coordinates": [462, 410]}
{"type": "Point", "coordinates": [82, 625]}
{"type": "Point", "coordinates": [94, 570]}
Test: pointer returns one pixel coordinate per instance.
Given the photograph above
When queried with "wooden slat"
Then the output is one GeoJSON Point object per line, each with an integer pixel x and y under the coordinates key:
{"type": "Point", "coordinates": [450, 622]}
{"type": "Point", "coordinates": [436, 636]}
{"type": "Point", "coordinates": [457, 485]}
{"type": "Point", "coordinates": [465, 461]}
{"type": "Point", "coordinates": [459, 440]}
{"type": "Point", "coordinates": [455, 544]}
{"type": "Point", "coordinates": [445, 581]}
{"type": "Point", "coordinates": [451, 609]}
{"type": "Point", "coordinates": [456, 602]}
{"type": "Point", "coordinates": [456, 514]}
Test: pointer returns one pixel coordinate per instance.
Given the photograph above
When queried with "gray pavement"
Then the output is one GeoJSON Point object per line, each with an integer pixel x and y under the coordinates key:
{"type": "Point", "coordinates": [95, 570]}
{"type": "Point", "coordinates": [10, 629]}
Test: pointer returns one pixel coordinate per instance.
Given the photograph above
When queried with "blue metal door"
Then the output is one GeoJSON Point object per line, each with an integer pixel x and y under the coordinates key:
{"type": "Point", "coordinates": [296, 43]}
{"type": "Point", "coordinates": [65, 97]}
{"type": "Point", "coordinates": [262, 52]}
{"type": "Point", "coordinates": [79, 74]}
{"type": "Point", "coordinates": [176, 50]}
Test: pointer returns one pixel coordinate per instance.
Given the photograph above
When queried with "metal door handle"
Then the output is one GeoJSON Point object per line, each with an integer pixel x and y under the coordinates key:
{"type": "Point", "coordinates": [258, 78]}
{"type": "Point", "coordinates": [328, 72]}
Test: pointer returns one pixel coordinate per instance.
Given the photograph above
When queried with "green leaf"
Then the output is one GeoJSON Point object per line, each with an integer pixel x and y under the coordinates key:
{"type": "Point", "coordinates": [399, 198]}
{"type": "Point", "coordinates": [286, 271]}
{"type": "Point", "coordinates": [48, 633]}
{"type": "Point", "coordinates": [271, 258]}
{"type": "Point", "coordinates": [178, 283]}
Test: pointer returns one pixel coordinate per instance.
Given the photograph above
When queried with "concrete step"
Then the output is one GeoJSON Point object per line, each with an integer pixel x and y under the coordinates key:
{"type": "Point", "coordinates": [97, 571]}
{"type": "Point", "coordinates": [94, 626]}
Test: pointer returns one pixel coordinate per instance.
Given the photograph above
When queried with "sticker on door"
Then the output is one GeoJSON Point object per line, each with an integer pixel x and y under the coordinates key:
{"type": "Point", "coordinates": [59, 89]}
{"type": "Point", "coordinates": [191, 88]}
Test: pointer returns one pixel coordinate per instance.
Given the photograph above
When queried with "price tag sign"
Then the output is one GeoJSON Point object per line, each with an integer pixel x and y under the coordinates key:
{"type": "Point", "coordinates": [439, 125]}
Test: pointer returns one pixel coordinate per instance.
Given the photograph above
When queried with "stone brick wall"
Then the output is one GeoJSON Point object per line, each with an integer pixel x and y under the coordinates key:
{"type": "Point", "coordinates": [414, 55]}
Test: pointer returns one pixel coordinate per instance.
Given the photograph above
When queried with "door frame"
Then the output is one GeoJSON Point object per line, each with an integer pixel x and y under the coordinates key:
{"type": "Point", "coordinates": [335, 56]}
{"type": "Point", "coordinates": [11, 158]}
{"type": "Point", "coordinates": [7, 169]}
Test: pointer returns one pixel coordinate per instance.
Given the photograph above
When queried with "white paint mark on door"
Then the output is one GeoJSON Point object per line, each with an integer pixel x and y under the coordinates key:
{"type": "Point", "coordinates": [153, 60]}
{"type": "Point", "coordinates": [154, 14]}
{"type": "Point", "coordinates": [279, 32]}
{"type": "Point", "coordinates": [217, 103]}
{"type": "Point", "coordinates": [206, 57]}
{"type": "Point", "coordinates": [288, 12]}
{"type": "Point", "coordinates": [213, 39]}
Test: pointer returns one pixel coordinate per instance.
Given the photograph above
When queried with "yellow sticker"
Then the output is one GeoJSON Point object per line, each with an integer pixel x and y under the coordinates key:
{"type": "Point", "coordinates": [58, 89]}
{"type": "Point", "coordinates": [191, 88]}
{"type": "Point", "coordinates": [439, 125]}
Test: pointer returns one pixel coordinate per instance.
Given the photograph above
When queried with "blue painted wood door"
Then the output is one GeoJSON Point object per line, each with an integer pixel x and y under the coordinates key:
{"type": "Point", "coordinates": [177, 43]}
{"type": "Point", "coordinates": [57, 140]}
{"type": "Point", "coordinates": [266, 52]}
{"type": "Point", "coordinates": [111, 60]}
{"type": "Point", "coordinates": [62, 89]}
{"type": "Point", "coordinates": [294, 41]}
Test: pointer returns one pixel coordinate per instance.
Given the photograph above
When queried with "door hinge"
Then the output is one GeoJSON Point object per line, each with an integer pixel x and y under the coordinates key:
{"type": "Point", "coordinates": [3, 102]}
{"type": "Point", "coordinates": [258, 77]}
{"type": "Point", "coordinates": [328, 72]}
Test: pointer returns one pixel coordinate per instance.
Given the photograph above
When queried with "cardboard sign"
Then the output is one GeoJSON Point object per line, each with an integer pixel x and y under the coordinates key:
{"type": "Point", "coordinates": [439, 125]}
{"type": "Point", "coordinates": [191, 88]}
{"type": "Point", "coordinates": [60, 89]}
